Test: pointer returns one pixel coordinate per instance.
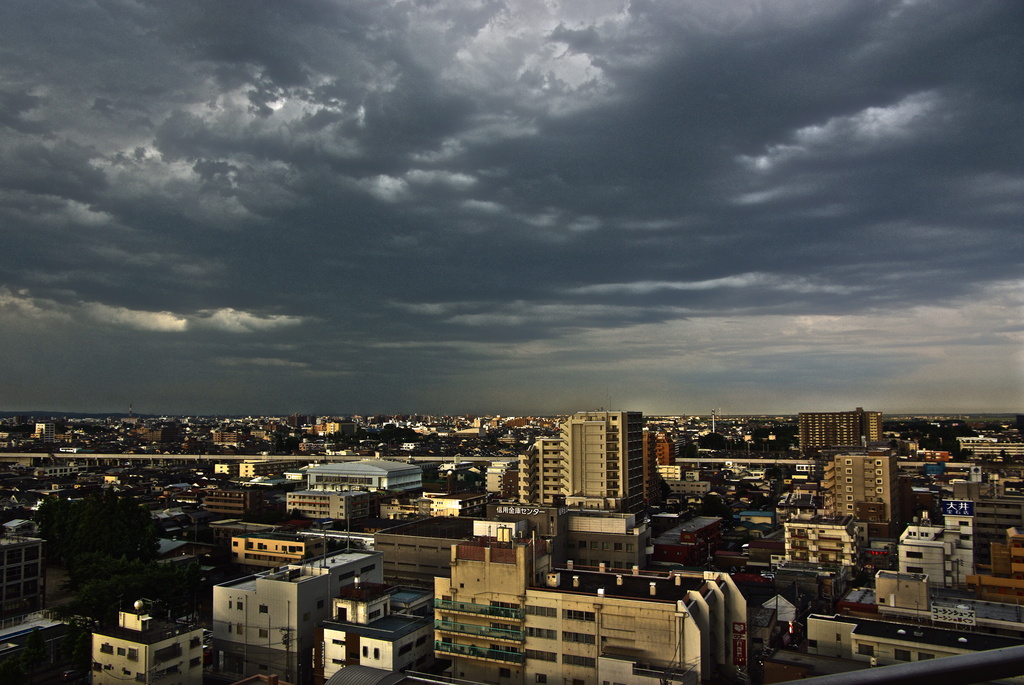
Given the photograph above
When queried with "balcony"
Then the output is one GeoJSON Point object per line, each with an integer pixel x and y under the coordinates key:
{"type": "Point", "coordinates": [500, 655]}
{"type": "Point", "coordinates": [479, 609]}
{"type": "Point", "coordinates": [482, 631]}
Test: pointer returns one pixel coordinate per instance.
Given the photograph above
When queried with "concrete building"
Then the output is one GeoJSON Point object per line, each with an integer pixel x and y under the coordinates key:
{"type": "Point", "coordinates": [945, 553]}
{"type": "Point", "coordinates": [884, 643]}
{"type": "Point", "coordinates": [22, 575]}
{"type": "Point", "coordinates": [45, 432]}
{"type": "Point", "coordinates": [234, 503]}
{"type": "Point", "coordinates": [269, 550]}
{"type": "Point", "coordinates": [602, 454]}
{"type": "Point", "coordinates": [142, 649]}
{"type": "Point", "coordinates": [692, 543]}
{"type": "Point", "coordinates": [991, 448]}
{"type": "Point", "coordinates": [615, 539]}
{"type": "Point", "coordinates": [259, 468]}
{"type": "Point", "coordinates": [541, 473]}
{"type": "Point", "coordinates": [865, 486]}
{"type": "Point", "coordinates": [266, 623]}
{"type": "Point", "coordinates": [507, 616]}
{"type": "Point", "coordinates": [417, 552]}
{"type": "Point", "coordinates": [597, 462]}
{"type": "Point", "coordinates": [828, 430]}
{"type": "Point", "coordinates": [502, 479]}
{"type": "Point", "coordinates": [831, 541]}
{"type": "Point", "coordinates": [366, 630]}
{"type": "Point", "coordinates": [345, 505]}
{"type": "Point", "coordinates": [367, 474]}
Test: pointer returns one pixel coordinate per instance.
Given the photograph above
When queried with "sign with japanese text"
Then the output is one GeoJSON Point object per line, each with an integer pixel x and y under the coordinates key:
{"type": "Point", "coordinates": [957, 507]}
{"type": "Point", "coordinates": [953, 613]}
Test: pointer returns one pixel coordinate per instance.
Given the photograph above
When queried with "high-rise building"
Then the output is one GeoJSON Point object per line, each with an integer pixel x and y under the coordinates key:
{"type": "Point", "coordinates": [603, 460]}
{"type": "Point", "coordinates": [597, 462]}
{"type": "Point", "coordinates": [864, 486]}
{"type": "Point", "coordinates": [825, 430]}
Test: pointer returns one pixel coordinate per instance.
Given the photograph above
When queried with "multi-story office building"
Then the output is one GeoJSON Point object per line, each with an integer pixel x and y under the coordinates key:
{"type": "Point", "coordinates": [823, 540]}
{"type": "Point", "coordinates": [826, 430]}
{"type": "Point", "coordinates": [45, 432]}
{"type": "Point", "coordinates": [258, 468]}
{"type": "Point", "coordinates": [864, 486]}
{"type": "Point", "coordinates": [507, 616]}
{"type": "Point", "coordinates": [143, 649]}
{"type": "Point", "coordinates": [266, 623]}
{"type": "Point", "coordinates": [614, 539]}
{"type": "Point", "coordinates": [22, 575]}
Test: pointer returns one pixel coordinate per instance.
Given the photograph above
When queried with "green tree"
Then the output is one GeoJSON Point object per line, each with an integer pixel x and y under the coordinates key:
{"type": "Point", "coordinates": [712, 505]}
{"type": "Point", "coordinates": [34, 653]}
{"type": "Point", "coordinates": [12, 670]}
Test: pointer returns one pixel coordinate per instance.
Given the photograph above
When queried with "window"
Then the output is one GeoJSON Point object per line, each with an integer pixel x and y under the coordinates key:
{"type": "Point", "coordinates": [582, 638]}
{"type": "Point", "coordinates": [263, 608]}
{"type": "Point", "coordinates": [915, 569]}
{"type": "Point", "coordinates": [902, 654]}
{"type": "Point", "coordinates": [915, 555]}
{"type": "Point", "coordinates": [107, 648]}
{"type": "Point", "coordinates": [367, 569]}
{"type": "Point", "coordinates": [133, 654]}
{"type": "Point", "coordinates": [541, 678]}
{"type": "Point", "coordinates": [504, 673]}
{"type": "Point", "coordinates": [541, 656]}
{"type": "Point", "coordinates": [239, 605]}
{"type": "Point", "coordinates": [305, 616]}
{"type": "Point", "coordinates": [573, 615]}
{"type": "Point", "coordinates": [550, 612]}
{"type": "Point", "coordinates": [922, 656]}
{"type": "Point", "coordinates": [574, 660]}
{"type": "Point", "coordinates": [405, 649]}
{"type": "Point", "coordinates": [376, 653]}
{"type": "Point", "coordinates": [812, 643]}
{"type": "Point", "coordinates": [866, 650]}
{"type": "Point", "coordinates": [366, 651]}
{"type": "Point", "coordinates": [542, 633]}
{"type": "Point", "coordinates": [264, 632]}
{"type": "Point", "coordinates": [120, 651]}
{"type": "Point", "coordinates": [319, 604]}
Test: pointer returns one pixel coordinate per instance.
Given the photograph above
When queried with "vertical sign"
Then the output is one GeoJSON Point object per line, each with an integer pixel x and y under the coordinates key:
{"type": "Point", "coordinates": [739, 643]}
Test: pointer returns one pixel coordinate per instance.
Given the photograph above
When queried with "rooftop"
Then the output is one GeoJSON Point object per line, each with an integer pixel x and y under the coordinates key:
{"type": "Point", "coordinates": [389, 628]}
{"type": "Point", "coordinates": [445, 527]}
{"type": "Point", "coordinates": [633, 586]}
{"type": "Point", "coordinates": [939, 637]}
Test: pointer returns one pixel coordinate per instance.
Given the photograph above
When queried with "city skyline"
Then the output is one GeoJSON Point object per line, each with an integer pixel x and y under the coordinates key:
{"type": "Point", "coordinates": [512, 208]}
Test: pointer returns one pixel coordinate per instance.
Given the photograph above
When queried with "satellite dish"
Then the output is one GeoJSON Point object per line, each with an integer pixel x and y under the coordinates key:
{"type": "Point", "coordinates": [139, 604]}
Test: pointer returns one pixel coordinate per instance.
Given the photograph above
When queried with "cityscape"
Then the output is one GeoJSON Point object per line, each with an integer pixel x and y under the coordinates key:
{"type": "Point", "coordinates": [509, 342]}
{"type": "Point", "coordinates": [597, 546]}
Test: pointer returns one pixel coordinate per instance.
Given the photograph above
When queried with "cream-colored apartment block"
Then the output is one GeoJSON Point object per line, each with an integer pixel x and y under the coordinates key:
{"type": "Point", "coordinates": [143, 649]}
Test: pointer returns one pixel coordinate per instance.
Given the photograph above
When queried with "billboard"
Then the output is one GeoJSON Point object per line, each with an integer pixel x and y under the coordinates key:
{"type": "Point", "coordinates": [953, 613]}
{"type": "Point", "coordinates": [957, 507]}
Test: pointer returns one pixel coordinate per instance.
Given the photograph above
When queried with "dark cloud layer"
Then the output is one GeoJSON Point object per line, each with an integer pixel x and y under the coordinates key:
{"type": "Point", "coordinates": [511, 207]}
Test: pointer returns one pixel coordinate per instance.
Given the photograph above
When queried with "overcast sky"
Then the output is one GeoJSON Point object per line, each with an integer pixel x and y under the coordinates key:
{"type": "Point", "coordinates": [353, 206]}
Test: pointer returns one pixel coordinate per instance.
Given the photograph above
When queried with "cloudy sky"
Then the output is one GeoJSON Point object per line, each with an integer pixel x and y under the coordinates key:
{"type": "Point", "coordinates": [511, 206]}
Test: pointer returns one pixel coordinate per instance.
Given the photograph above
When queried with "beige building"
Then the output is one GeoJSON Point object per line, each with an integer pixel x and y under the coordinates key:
{"type": "Point", "coordinates": [335, 504]}
{"type": "Point", "coordinates": [864, 486]}
{"type": "Point", "coordinates": [596, 463]}
{"type": "Point", "coordinates": [257, 468]}
{"type": "Point", "coordinates": [270, 550]}
{"type": "Point", "coordinates": [945, 553]}
{"type": "Point", "coordinates": [143, 649]}
{"type": "Point", "coordinates": [823, 540]}
{"type": "Point", "coordinates": [827, 430]}
{"type": "Point", "coordinates": [507, 616]}
{"type": "Point", "coordinates": [541, 476]}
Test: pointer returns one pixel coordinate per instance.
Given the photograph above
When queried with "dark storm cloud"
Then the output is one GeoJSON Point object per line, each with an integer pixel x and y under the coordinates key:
{"type": "Point", "coordinates": [510, 206]}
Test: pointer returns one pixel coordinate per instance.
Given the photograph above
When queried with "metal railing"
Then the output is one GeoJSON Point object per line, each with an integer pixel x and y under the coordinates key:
{"type": "Point", "coordinates": [475, 652]}
{"type": "Point", "coordinates": [481, 609]}
{"type": "Point", "coordinates": [483, 631]}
